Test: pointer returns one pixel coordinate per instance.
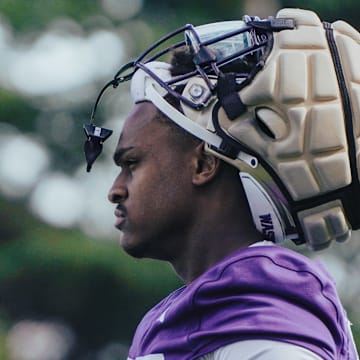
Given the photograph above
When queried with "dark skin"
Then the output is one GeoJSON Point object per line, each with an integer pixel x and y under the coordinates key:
{"type": "Point", "coordinates": [176, 203]}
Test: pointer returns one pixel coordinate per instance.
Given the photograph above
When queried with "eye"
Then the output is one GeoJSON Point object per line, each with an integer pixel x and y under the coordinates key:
{"type": "Point", "coordinates": [130, 163]}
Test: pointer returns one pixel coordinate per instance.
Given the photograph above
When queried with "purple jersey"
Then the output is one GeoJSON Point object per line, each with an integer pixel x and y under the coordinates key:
{"type": "Point", "coordinates": [262, 292]}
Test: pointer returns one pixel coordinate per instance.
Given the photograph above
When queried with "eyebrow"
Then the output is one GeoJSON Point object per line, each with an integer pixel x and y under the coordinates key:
{"type": "Point", "coordinates": [119, 153]}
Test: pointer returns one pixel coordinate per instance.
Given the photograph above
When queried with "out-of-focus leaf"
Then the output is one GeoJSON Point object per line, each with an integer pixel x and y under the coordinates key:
{"type": "Point", "coordinates": [16, 111]}
{"type": "Point", "coordinates": [32, 15]}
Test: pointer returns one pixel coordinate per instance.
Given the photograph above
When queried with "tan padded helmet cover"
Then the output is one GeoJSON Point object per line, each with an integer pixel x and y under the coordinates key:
{"type": "Point", "coordinates": [296, 96]}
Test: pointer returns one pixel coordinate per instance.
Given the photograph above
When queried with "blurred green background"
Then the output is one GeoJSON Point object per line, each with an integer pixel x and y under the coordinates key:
{"type": "Point", "coordinates": [67, 291]}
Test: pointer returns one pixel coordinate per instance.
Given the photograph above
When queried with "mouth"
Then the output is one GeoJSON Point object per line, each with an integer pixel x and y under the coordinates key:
{"type": "Point", "coordinates": [120, 216]}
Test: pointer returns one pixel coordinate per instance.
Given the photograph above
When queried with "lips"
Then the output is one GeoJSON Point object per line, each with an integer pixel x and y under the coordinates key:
{"type": "Point", "coordinates": [120, 215]}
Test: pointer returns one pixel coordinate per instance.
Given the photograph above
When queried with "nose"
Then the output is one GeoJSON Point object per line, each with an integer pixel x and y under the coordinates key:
{"type": "Point", "coordinates": [118, 191]}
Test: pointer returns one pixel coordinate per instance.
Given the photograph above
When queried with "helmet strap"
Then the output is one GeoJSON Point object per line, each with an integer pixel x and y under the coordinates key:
{"type": "Point", "coordinates": [265, 215]}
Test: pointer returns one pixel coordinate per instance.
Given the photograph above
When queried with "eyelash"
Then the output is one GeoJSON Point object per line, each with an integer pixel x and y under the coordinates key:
{"type": "Point", "coordinates": [130, 163]}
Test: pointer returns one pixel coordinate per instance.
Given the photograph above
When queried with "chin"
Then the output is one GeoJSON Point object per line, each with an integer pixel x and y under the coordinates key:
{"type": "Point", "coordinates": [141, 249]}
{"type": "Point", "coordinates": [134, 252]}
{"type": "Point", "coordinates": [132, 248]}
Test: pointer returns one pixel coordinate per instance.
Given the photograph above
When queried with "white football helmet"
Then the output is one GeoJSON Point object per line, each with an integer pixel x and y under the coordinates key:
{"type": "Point", "coordinates": [279, 99]}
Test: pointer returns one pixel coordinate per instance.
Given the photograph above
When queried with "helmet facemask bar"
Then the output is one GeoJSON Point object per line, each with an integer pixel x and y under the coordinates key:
{"type": "Point", "coordinates": [207, 64]}
{"type": "Point", "coordinates": [204, 69]}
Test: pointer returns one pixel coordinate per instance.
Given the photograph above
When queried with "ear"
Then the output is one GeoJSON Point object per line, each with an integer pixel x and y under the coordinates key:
{"type": "Point", "coordinates": [206, 166]}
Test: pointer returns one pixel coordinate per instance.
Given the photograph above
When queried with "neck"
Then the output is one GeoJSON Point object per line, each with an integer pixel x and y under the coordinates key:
{"type": "Point", "coordinates": [216, 233]}
{"type": "Point", "coordinates": [199, 259]}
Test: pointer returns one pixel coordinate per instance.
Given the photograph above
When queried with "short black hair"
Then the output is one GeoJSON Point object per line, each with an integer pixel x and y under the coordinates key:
{"type": "Point", "coordinates": [182, 61]}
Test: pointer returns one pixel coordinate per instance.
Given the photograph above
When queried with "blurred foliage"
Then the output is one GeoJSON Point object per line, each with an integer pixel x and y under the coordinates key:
{"type": "Point", "coordinates": [330, 10]}
{"type": "Point", "coordinates": [27, 15]}
{"type": "Point", "coordinates": [3, 355]}
{"type": "Point", "coordinates": [49, 273]}
{"type": "Point", "coordinates": [178, 13]}
{"type": "Point", "coordinates": [16, 110]}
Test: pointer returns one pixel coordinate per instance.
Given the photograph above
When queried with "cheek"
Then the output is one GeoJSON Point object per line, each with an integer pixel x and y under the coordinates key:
{"type": "Point", "coordinates": [174, 195]}
{"type": "Point", "coordinates": [158, 188]}
{"type": "Point", "coordinates": [145, 192]}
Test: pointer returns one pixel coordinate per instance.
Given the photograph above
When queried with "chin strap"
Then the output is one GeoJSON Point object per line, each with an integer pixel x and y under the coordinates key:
{"type": "Point", "coordinates": [265, 214]}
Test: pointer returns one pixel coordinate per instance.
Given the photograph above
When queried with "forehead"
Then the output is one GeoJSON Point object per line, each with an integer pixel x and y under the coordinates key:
{"type": "Point", "coordinates": [141, 127]}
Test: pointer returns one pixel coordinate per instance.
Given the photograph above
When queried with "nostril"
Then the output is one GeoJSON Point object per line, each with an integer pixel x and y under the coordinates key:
{"type": "Point", "coordinates": [111, 196]}
{"type": "Point", "coordinates": [117, 195]}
